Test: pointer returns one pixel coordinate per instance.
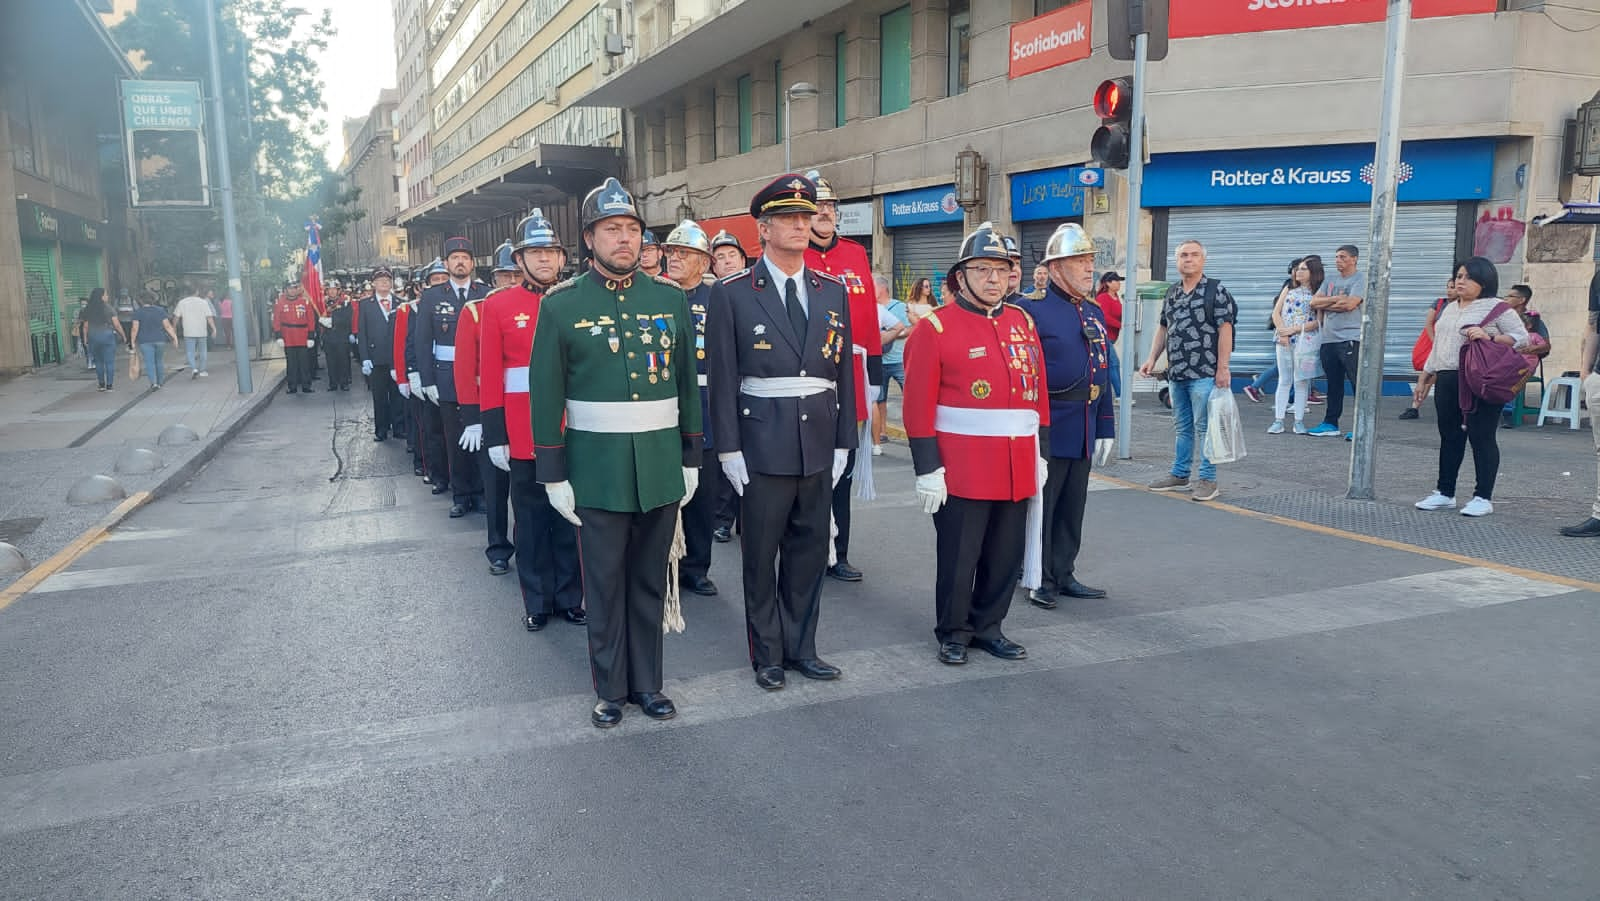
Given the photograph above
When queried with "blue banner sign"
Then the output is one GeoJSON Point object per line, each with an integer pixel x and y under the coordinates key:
{"type": "Point", "coordinates": [1052, 193]}
{"type": "Point", "coordinates": [923, 206]}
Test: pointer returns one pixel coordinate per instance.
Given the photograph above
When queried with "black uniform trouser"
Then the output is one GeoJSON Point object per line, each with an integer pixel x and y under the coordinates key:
{"type": "Point", "coordinates": [727, 501]}
{"type": "Point", "coordinates": [624, 587]}
{"type": "Point", "coordinates": [980, 548]}
{"type": "Point", "coordinates": [419, 456]}
{"type": "Point", "coordinates": [464, 473]}
{"type": "Point", "coordinates": [546, 546]}
{"type": "Point", "coordinates": [337, 347]}
{"type": "Point", "coordinates": [388, 414]}
{"type": "Point", "coordinates": [297, 361]}
{"type": "Point", "coordinates": [1340, 360]}
{"type": "Point", "coordinates": [1066, 492]}
{"type": "Point", "coordinates": [434, 458]}
{"type": "Point", "coordinates": [497, 499]}
{"type": "Point", "coordinates": [699, 518]}
{"type": "Point", "coordinates": [784, 516]}
{"type": "Point", "coordinates": [841, 509]}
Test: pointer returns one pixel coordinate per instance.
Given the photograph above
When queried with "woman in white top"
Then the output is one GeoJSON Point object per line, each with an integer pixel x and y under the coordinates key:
{"type": "Point", "coordinates": [1298, 343]}
{"type": "Point", "coordinates": [1477, 285]}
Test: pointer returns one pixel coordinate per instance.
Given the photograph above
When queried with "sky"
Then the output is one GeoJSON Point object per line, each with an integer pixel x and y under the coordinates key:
{"type": "Point", "coordinates": [358, 63]}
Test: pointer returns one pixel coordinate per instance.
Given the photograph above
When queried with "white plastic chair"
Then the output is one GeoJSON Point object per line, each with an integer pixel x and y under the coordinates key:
{"type": "Point", "coordinates": [1571, 410]}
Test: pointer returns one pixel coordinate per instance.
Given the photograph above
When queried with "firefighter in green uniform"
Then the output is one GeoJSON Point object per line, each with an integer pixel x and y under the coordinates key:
{"type": "Point", "coordinates": [613, 353]}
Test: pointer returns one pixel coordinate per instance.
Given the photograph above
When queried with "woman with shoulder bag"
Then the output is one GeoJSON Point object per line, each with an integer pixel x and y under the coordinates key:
{"type": "Point", "coordinates": [1476, 315]}
{"type": "Point", "coordinates": [1295, 327]}
{"type": "Point", "coordinates": [1425, 379]}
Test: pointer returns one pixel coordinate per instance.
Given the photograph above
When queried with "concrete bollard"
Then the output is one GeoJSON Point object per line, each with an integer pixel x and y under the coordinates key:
{"type": "Point", "coordinates": [96, 489]}
{"type": "Point", "coordinates": [138, 460]}
{"type": "Point", "coordinates": [11, 560]}
{"type": "Point", "coordinates": [177, 434]}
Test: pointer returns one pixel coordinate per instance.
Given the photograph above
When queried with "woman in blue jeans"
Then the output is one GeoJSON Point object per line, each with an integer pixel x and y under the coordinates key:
{"type": "Point", "coordinates": [101, 335]}
{"type": "Point", "coordinates": [149, 322]}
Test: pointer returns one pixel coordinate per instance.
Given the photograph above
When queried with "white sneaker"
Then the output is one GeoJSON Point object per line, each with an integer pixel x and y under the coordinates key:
{"type": "Point", "coordinates": [1477, 507]}
{"type": "Point", "coordinates": [1437, 501]}
{"type": "Point", "coordinates": [877, 450]}
{"type": "Point", "coordinates": [204, 374]}
{"type": "Point", "coordinates": [1276, 428]}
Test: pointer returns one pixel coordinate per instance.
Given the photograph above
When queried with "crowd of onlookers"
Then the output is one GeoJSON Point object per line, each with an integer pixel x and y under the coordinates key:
{"type": "Point", "coordinates": [145, 326]}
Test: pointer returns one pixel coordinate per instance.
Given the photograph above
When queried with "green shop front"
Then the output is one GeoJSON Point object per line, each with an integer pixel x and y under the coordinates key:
{"type": "Point", "coordinates": [63, 259]}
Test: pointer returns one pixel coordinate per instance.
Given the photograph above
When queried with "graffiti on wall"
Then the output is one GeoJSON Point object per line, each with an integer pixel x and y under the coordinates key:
{"type": "Point", "coordinates": [1498, 235]}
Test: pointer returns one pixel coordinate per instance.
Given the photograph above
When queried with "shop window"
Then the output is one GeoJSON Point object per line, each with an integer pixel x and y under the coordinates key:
{"type": "Point", "coordinates": [1040, 7]}
{"type": "Point", "coordinates": [746, 102]}
{"type": "Point", "coordinates": [838, 79]}
{"type": "Point", "coordinates": [958, 47]}
{"type": "Point", "coordinates": [894, 61]}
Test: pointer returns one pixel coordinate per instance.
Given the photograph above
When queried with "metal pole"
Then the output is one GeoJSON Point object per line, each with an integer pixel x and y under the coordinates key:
{"type": "Point", "coordinates": [230, 236]}
{"type": "Point", "coordinates": [1130, 349]}
{"type": "Point", "coordinates": [1375, 321]}
{"type": "Point", "coordinates": [787, 127]}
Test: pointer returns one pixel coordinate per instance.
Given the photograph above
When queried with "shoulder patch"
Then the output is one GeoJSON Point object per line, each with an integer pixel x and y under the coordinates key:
{"type": "Point", "coordinates": [562, 286]}
{"type": "Point", "coordinates": [472, 307]}
{"type": "Point", "coordinates": [1025, 316]}
{"type": "Point", "coordinates": [937, 325]}
{"type": "Point", "coordinates": [730, 279]}
{"type": "Point", "coordinates": [492, 292]}
{"type": "Point", "coordinates": [828, 276]}
{"type": "Point", "coordinates": [667, 281]}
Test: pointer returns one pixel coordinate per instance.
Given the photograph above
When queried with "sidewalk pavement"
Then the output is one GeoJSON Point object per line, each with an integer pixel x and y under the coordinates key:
{"type": "Point", "coordinates": [56, 428]}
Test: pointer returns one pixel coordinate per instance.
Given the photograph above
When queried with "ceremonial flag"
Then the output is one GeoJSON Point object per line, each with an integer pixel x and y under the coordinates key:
{"type": "Point", "coordinates": [311, 276]}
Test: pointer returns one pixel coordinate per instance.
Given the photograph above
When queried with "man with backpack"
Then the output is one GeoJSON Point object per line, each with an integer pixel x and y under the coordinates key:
{"type": "Point", "coordinates": [1196, 333]}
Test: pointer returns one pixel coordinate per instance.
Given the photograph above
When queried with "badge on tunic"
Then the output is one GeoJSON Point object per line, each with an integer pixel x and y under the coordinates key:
{"type": "Point", "coordinates": [981, 389]}
{"type": "Point", "coordinates": [763, 345]}
{"type": "Point", "coordinates": [1094, 392]}
{"type": "Point", "coordinates": [581, 323]}
{"type": "Point", "coordinates": [594, 330]}
{"type": "Point", "coordinates": [614, 341]}
{"type": "Point", "coordinates": [760, 329]}
{"type": "Point", "coordinates": [974, 353]}
{"type": "Point", "coordinates": [606, 320]}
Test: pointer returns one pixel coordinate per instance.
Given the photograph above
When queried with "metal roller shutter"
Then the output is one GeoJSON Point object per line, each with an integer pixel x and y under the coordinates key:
{"type": "Point", "coordinates": [1033, 236]}
{"type": "Point", "coordinates": [1249, 249]}
{"type": "Point", "coordinates": [925, 251]}
{"type": "Point", "coordinates": [80, 274]}
{"type": "Point", "coordinates": [39, 285]}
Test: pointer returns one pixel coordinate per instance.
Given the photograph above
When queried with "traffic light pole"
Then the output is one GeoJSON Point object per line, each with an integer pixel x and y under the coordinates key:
{"type": "Point", "coordinates": [1375, 307]}
{"type": "Point", "coordinates": [230, 234]}
{"type": "Point", "coordinates": [1130, 348]}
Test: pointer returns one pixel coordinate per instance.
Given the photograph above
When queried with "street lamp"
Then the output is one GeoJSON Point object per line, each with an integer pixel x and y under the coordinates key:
{"type": "Point", "coordinates": [800, 89]}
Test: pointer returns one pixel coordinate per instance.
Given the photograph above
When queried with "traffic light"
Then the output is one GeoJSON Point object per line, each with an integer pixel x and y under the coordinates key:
{"type": "Point", "coordinates": [1112, 142]}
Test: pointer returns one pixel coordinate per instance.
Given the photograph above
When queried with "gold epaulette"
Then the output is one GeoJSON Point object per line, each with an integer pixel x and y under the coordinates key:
{"type": "Point", "coordinates": [667, 281]}
{"type": "Point", "coordinates": [562, 286]}
{"type": "Point", "coordinates": [933, 317]}
{"type": "Point", "coordinates": [472, 305]}
{"type": "Point", "coordinates": [1024, 314]}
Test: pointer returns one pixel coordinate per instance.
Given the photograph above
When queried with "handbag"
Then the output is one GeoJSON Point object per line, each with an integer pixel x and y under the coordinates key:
{"type": "Point", "coordinates": [1492, 371]}
{"type": "Point", "coordinates": [1421, 351]}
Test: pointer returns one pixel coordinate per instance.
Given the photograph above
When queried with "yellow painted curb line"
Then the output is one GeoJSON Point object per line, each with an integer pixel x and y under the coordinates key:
{"type": "Point", "coordinates": [63, 558]}
{"type": "Point", "coordinates": [1368, 539]}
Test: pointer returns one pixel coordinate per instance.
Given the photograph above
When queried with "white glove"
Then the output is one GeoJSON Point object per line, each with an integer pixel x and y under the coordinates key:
{"type": "Point", "coordinates": [471, 437]}
{"type": "Point", "coordinates": [691, 481]}
{"type": "Point", "coordinates": [310, 344]}
{"type": "Point", "coordinates": [280, 343]}
{"type": "Point", "coordinates": [500, 456]}
{"type": "Point", "coordinates": [366, 367]}
{"type": "Point", "coordinates": [932, 491]}
{"type": "Point", "coordinates": [405, 390]}
{"type": "Point", "coordinates": [325, 321]}
{"type": "Point", "coordinates": [1102, 450]}
{"type": "Point", "coordinates": [353, 340]}
{"type": "Point", "coordinates": [1043, 471]}
{"type": "Point", "coordinates": [733, 467]}
{"type": "Point", "coordinates": [431, 393]}
{"type": "Point", "coordinates": [841, 459]}
{"type": "Point", "coordinates": [414, 379]}
{"type": "Point", "coordinates": [564, 502]}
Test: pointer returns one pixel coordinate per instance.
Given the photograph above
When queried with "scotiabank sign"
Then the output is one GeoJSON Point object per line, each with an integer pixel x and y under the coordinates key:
{"type": "Point", "coordinates": [1192, 19]}
{"type": "Point", "coordinates": [1050, 40]}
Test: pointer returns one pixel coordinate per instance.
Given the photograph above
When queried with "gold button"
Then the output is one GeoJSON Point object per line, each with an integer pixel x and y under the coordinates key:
{"type": "Point", "coordinates": [630, 354]}
{"type": "Point", "coordinates": [627, 334]}
{"type": "Point", "coordinates": [636, 397]}
{"type": "Point", "coordinates": [633, 375]}
{"type": "Point", "coordinates": [621, 298]}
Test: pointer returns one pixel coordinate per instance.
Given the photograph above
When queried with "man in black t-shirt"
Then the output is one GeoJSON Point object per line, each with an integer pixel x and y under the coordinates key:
{"type": "Point", "coordinates": [1590, 528]}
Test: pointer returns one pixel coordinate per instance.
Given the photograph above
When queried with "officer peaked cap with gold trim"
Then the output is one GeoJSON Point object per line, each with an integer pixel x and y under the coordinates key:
{"type": "Point", "coordinates": [789, 193]}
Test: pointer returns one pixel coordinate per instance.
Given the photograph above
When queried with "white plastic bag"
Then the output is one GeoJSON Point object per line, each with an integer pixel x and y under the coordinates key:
{"type": "Point", "coordinates": [1224, 433]}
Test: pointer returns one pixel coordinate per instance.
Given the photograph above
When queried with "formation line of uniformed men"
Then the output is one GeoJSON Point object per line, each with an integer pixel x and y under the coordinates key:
{"type": "Point", "coordinates": [608, 410]}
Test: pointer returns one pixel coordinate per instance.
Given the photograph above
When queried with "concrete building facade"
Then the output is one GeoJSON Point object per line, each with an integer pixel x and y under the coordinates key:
{"type": "Point", "coordinates": [1261, 140]}
{"type": "Point", "coordinates": [369, 164]}
{"type": "Point", "coordinates": [411, 146]}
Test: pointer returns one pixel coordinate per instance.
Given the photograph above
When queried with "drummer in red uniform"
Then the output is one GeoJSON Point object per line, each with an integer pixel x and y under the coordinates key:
{"type": "Point", "coordinates": [977, 412]}
{"type": "Point", "coordinates": [847, 261]}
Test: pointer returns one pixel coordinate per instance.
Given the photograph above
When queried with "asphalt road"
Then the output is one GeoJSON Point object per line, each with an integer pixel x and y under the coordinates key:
{"type": "Point", "coordinates": [296, 678]}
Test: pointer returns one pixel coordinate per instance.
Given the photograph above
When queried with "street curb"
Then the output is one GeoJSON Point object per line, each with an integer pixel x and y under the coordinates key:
{"type": "Point", "coordinates": [211, 446]}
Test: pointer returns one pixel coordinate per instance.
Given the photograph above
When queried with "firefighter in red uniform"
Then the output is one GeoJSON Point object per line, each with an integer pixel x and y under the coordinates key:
{"type": "Point", "coordinates": [292, 321]}
{"type": "Point", "coordinates": [546, 544]}
{"type": "Point", "coordinates": [847, 261]}
{"type": "Point", "coordinates": [496, 483]}
{"type": "Point", "coordinates": [977, 412]}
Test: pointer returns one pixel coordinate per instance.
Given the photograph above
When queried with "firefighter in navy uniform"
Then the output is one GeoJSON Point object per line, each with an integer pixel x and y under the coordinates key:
{"type": "Point", "coordinates": [651, 262]}
{"type": "Point", "coordinates": [778, 343]}
{"type": "Point", "coordinates": [727, 257]}
{"type": "Point", "coordinates": [505, 272]}
{"type": "Point", "coordinates": [375, 347]}
{"type": "Point", "coordinates": [1014, 293]}
{"type": "Point", "coordinates": [336, 342]}
{"type": "Point", "coordinates": [1077, 361]}
{"type": "Point", "coordinates": [977, 415]}
{"type": "Point", "coordinates": [687, 251]}
{"type": "Point", "coordinates": [433, 340]}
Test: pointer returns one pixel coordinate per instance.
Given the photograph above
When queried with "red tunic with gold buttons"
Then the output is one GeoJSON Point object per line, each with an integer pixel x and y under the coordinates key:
{"type": "Point", "coordinates": [293, 320]}
{"type": "Point", "coordinates": [466, 362]}
{"type": "Point", "coordinates": [847, 261]}
{"type": "Point", "coordinates": [962, 358]}
{"type": "Point", "coordinates": [505, 345]}
{"type": "Point", "coordinates": [402, 319]}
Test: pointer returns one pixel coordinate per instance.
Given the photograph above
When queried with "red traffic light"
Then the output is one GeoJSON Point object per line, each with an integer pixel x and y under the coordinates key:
{"type": "Point", "coordinates": [1113, 100]}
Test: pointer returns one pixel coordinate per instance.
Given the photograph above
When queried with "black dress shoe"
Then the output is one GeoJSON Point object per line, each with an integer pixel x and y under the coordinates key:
{"type": "Point", "coordinates": [698, 585]}
{"type": "Point", "coordinates": [426, 479]}
{"type": "Point", "coordinates": [844, 572]}
{"type": "Point", "coordinates": [655, 705]}
{"type": "Point", "coordinates": [344, 387]}
{"type": "Point", "coordinates": [380, 437]}
{"type": "Point", "coordinates": [333, 387]}
{"type": "Point", "coordinates": [498, 567]}
{"type": "Point", "coordinates": [1589, 528]}
{"type": "Point", "coordinates": [722, 534]}
{"type": "Point", "coordinates": [770, 677]}
{"type": "Point", "coordinates": [534, 622]}
{"type": "Point", "coordinates": [458, 510]}
{"type": "Point", "coordinates": [576, 616]}
{"type": "Point", "coordinates": [439, 489]}
{"type": "Point", "coordinates": [1001, 647]}
{"type": "Point", "coordinates": [416, 470]}
{"type": "Point", "coordinates": [1076, 589]}
{"type": "Point", "coordinates": [952, 653]}
{"type": "Point", "coordinates": [606, 714]}
{"type": "Point", "coordinates": [292, 390]}
{"type": "Point", "coordinates": [1041, 597]}
{"type": "Point", "coordinates": [814, 668]}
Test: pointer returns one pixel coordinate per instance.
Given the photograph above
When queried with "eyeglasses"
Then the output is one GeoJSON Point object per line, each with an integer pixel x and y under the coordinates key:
{"type": "Point", "coordinates": [989, 271]}
{"type": "Point", "coordinates": [674, 253]}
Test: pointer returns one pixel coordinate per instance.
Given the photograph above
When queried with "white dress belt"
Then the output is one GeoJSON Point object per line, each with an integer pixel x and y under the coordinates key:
{"type": "Point", "coordinates": [986, 423]}
{"type": "Point", "coordinates": [622, 417]}
{"type": "Point", "coordinates": [785, 386]}
{"type": "Point", "coordinates": [516, 380]}
{"type": "Point", "coordinates": [444, 352]}
{"type": "Point", "coordinates": [703, 381]}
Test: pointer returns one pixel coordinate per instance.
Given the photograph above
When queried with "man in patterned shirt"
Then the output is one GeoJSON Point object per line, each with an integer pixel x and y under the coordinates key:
{"type": "Point", "coordinates": [1196, 333]}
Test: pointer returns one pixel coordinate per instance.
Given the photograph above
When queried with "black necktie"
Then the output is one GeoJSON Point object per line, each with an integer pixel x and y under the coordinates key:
{"type": "Point", "coordinates": [797, 313]}
{"type": "Point", "coordinates": [462, 294]}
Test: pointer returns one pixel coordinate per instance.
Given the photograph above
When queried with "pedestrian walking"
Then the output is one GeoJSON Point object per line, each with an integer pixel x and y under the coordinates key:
{"type": "Point", "coordinates": [1589, 368]}
{"type": "Point", "coordinates": [125, 310]}
{"type": "Point", "coordinates": [1196, 333]}
{"type": "Point", "coordinates": [922, 300]}
{"type": "Point", "coordinates": [195, 318]}
{"type": "Point", "coordinates": [1109, 300]}
{"type": "Point", "coordinates": [617, 443]}
{"type": "Point", "coordinates": [782, 382]}
{"type": "Point", "coordinates": [102, 332]}
{"type": "Point", "coordinates": [1078, 363]}
{"type": "Point", "coordinates": [977, 418]}
{"type": "Point", "coordinates": [375, 346]}
{"type": "Point", "coordinates": [1472, 317]}
{"type": "Point", "coordinates": [292, 321]}
{"type": "Point", "coordinates": [1297, 343]}
{"type": "Point", "coordinates": [1340, 306]}
{"type": "Point", "coordinates": [225, 314]}
{"type": "Point", "coordinates": [433, 342]}
{"type": "Point", "coordinates": [152, 328]}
